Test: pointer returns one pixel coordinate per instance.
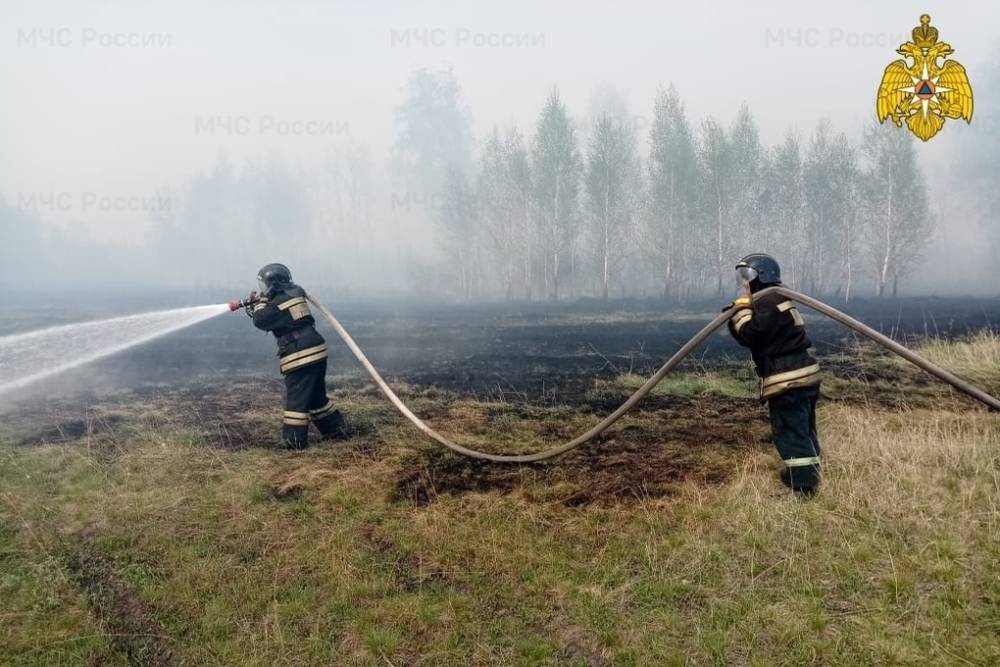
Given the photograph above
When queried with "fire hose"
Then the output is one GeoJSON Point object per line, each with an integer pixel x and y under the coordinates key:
{"type": "Point", "coordinates": [669, 365]}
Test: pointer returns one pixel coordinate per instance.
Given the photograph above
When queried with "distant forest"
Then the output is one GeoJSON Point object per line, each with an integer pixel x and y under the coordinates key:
{"type": "Point", "coordinates": [554, 214]}
{"type": "Point", "coordinates": [615, 205]}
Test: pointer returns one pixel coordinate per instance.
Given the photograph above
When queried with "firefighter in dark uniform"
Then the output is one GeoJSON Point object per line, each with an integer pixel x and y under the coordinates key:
{"type": "Point", "coordinates": [773, 329]}
{"type": "Point", "coordinates": [283, 310]}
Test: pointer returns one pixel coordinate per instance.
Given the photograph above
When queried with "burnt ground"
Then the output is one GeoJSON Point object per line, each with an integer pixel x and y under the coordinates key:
{"type": "Point", "coordinates": [675, 442]}
{"type": "Point", "coordinates": [538, 352]}
{"type": "Point", "coordinates": [218, 381]}
{"type": "Point", "coordinates": [221, 413]}
{"type": "Point", "coordinates": [668, 441]}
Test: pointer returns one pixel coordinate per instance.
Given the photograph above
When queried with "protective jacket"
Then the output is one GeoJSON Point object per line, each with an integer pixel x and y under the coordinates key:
{"type": "Point", "coordinates": [302, 353]}
{"type": "Point", "coordinates": [773, 329]}
{"type": "Point", "coordinates": [286, 314]}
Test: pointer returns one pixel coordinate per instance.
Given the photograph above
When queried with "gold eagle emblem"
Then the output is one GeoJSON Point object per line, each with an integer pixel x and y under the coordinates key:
{"type": "Point", "coordinates": [921, 92]}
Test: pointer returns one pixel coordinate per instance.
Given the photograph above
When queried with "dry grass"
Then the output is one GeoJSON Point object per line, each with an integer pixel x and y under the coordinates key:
{"type": "Point", "coordinates": [262, 557]}
{"type": "Point", "coordinates": [976, 357]}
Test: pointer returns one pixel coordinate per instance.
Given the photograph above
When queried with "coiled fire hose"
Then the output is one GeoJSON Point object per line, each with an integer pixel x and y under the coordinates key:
{"type": "Point", "coordinates": [668, 366]}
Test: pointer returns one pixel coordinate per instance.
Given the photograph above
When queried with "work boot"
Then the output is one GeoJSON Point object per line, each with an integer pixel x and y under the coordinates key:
{"type": "Point", "coordinates": [294, 437]}
{"type": "Point", "coordinates": [332, 426]}
{"type": "Point", "coordinates": [803, 480]}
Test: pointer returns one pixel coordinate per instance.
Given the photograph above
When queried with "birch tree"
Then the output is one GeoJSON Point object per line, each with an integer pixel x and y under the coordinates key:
{"type": "Point", "coordinates": [458, 223]}
{"type": "Point", "coordinates": [504, 202]}
{"type": "Point", "coordinates": [671, 227]}
{"type": "Point", "coordinates": [518, 190]}
{"type": "Point", "coordinates": [746, 158]}
{"type": "Point", "coordinates": [612, 180]}
{"type": "Point", "coordinates": [556, 167]}
{"type": "Point", "coordinates": [497, 216]}
{"type": "Point", "coordinates": [782, 206]}
{"type": "Point", "coordinates": [896, 215]}
{"type": "Point", "coordinates": [717, 197]}
{"type": "Point", "coordinates": [827, 187]}
{"type": "Point", "coordinates": [844, 172]}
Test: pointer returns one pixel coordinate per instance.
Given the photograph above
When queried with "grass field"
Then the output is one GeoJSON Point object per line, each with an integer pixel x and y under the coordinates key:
{"type": "Point", "coordinates": [155, 533]}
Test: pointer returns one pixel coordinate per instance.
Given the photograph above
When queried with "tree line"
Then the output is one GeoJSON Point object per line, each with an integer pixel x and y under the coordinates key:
{"type": "Point", "coordinates": [589, 204]}
{"type": "Point", "coordinates": [603, 210]}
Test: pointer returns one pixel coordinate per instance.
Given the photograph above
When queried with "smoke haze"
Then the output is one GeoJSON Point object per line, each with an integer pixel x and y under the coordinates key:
{"type": "Point", "coordinates": [177, 144]}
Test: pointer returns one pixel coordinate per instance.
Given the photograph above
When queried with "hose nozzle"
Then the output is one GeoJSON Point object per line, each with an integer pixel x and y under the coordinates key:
{"type": "Point", "coordinates": [246, 303]}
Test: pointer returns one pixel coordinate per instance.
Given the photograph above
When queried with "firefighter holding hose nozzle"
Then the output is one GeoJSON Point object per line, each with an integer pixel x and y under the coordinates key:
{"type": "Point", "coordinates": [773, 329]}
{"type": "Point", "coordinates": [281, 309]}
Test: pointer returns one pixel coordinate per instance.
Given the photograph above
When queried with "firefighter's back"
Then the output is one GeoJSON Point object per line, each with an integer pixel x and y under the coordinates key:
{"type": "Point", "coordinates": [286, 314]}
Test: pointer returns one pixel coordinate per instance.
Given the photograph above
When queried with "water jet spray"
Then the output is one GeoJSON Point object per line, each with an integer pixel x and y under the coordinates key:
{"type": "Point", "coordinates": [28, 357]}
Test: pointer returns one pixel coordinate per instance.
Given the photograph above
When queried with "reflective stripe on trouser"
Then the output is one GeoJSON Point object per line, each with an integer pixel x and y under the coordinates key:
{"type": "Point", "coordinates": [775, 384]}
{"type": "Point", "coordinates": [293, 418]}
{"type": "Point", "coordinates": [793, 425]}
{"type": "Point", "coordinates": [305, 394]}
{"type": "Point", "coordinates": [803, 461]}
{"type": "Point", "coordinates": [319, 413]}
{"type": "Point", "coordinates": [328, 420]}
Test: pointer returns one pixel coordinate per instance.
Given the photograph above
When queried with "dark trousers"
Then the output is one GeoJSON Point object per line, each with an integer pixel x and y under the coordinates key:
{"type": "Point", "coordinates": [793, 425]}
{"type": "Point", "coordinates": [306, 401]}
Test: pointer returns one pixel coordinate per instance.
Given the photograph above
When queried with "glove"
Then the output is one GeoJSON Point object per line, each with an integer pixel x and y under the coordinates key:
{"type": "Point", "coordinates": [255, 307]}
{"type": "Point", "coordinates": [251, 302]}
{"type": "Point", "coordinates": [742, 301]}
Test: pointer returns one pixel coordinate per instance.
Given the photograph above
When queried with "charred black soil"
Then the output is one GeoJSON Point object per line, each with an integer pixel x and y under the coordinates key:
{"type": "Point", "coordinates": [71, 429]}
{"type": "Point", "coordinates": [690, 441]}
{"type": "Point", "coordinates": [224, 413]}
{"type": "Point", "coordinates": [542, 353]}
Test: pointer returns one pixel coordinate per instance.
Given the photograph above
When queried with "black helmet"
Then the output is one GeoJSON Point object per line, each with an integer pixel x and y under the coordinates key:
{"type": "Point", "coordinates": [760, 267]}
{"type": "Point", "coordinates": [273, 275]}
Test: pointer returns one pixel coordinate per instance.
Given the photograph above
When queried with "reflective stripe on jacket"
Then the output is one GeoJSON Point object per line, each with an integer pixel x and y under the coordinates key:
{"type": "Point", "coordinates": [286, 314]}
{"type": "Point", "coordinates": [774, 331]}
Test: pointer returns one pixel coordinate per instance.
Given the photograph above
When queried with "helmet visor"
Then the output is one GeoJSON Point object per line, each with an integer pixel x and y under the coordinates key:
{"type": "Point", "coordinates": [744, 274]}
{"type": "Point", "coordinates": [263, 286]}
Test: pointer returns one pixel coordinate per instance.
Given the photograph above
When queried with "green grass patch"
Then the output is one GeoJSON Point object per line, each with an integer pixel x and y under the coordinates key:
{"type": "Point", "coordinates": [733, 383]}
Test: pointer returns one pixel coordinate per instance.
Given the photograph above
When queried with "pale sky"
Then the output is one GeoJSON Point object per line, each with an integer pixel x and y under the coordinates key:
{"type": "Point", "coordinates": [113, 98]}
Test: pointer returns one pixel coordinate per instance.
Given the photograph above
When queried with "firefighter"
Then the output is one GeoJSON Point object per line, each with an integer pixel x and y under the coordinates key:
{"type": "Point", "coordinates": [282, 309]}
{"type": "Point", "coordinates": [773, 329]}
